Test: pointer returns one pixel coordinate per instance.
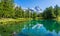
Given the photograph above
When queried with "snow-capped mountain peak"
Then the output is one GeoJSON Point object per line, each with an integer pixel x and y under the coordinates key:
{"type": "Point", "coordinates": [35, 9]}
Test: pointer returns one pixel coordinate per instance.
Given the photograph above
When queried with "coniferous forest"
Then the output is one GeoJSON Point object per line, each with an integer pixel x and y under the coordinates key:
{"type": "Point", "coordinates": [8, 10]}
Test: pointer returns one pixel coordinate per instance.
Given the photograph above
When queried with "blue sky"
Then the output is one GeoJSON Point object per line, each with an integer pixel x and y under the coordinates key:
{"type": "Point", "coordinates": [41, 3]}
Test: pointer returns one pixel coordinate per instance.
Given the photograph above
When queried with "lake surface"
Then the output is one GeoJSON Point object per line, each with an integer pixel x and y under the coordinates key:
{"type": "Point", "coordinates": [40, 28]}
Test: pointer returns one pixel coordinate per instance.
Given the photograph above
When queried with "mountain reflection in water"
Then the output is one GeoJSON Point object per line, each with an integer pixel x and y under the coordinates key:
{"type": "Point", "coordinates": [37, 30]}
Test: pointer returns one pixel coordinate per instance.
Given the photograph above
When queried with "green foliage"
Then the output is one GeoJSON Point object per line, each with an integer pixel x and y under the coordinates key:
{"type": "Point", "coordinates": [18, 12]}
{"type": "Point", "coordinates": [39, 15]}
{"type": "Point", "coordinates": [48, 13]}
{"type": "Point", "coordinates": [28, 14]}
{"type": "Point", "coordinates": [7, 10]}
{"type": "Point", "coordinates": [34, 15]}
{"type": "Point", "coordinates": [56, 10]}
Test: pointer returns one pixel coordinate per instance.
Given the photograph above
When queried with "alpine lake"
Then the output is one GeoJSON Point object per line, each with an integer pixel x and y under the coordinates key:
{"type": "Point", "coordinates": [32, 28]}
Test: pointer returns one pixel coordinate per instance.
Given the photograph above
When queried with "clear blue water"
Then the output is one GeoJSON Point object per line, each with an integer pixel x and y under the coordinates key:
{"type": "Point", "coordinates": [41, 28]}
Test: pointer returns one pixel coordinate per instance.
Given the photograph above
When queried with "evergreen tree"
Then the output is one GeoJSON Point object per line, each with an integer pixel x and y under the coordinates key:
{"type": "Point", "coordinates": [48, 13]}
{"type": "Point", "coordinates": [56, 10]}
{"type": "Point", "coordinates": [7, 7]}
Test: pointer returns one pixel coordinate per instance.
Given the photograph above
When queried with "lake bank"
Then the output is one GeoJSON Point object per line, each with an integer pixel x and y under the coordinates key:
{"type": "Point", "coordinates": [8, 20]}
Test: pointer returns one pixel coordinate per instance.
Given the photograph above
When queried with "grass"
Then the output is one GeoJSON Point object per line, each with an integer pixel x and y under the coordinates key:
{"type": "Point", "coordinates": [7, 20]}
{"type": "Point", "coordinates": [57, 19]}
{"type": "Point", "coordinates": [10, 19]}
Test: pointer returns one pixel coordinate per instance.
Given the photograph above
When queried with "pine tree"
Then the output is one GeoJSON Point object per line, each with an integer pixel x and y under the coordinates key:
{"type": "Point", "coordinates": [7, 6]}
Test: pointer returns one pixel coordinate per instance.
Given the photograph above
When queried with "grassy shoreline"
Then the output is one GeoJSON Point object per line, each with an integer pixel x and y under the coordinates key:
{"type": "Point", "coordinates": [22, 19]}
{"type": "Point", "coordinates": [8, 20]}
